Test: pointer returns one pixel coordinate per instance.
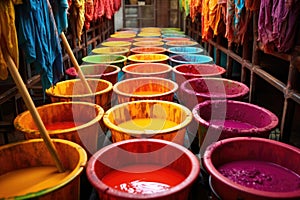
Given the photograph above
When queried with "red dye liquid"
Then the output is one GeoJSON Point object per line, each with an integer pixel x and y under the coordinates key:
{"type": "Point", "coordinates": [232, 124]}
{"type": "Point", "coordinates": [143, 179]}
{"type": "Point", "coordinates": [261, 175]}
{"type": "Point", "coordinates": [61, 125]}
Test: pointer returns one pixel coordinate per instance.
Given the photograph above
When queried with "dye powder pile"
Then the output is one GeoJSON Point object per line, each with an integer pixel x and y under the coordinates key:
{"type": "Point", "coordinates": [143, 179]}
{"type": "Point", "coordinates": [261, 175]}
{"type": "Point", "coordinates": [232, 124]}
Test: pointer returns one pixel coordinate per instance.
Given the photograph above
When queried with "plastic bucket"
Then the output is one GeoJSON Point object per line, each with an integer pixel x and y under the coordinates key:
{"type": "Point", "coordinates": [123, 35]}
{"type": "Point", "coordinates": [169, 39]}
{"type": "Point", "coordinates": [221, 119]}
{"type": "Point", "coordinates": [152, 50]}
{"type": "Point", "coordinates": [148, 58]}
{"type": "Point", "coordinates": [74, 121]}
{"type": "Point", "coordinates": [251, 149]}
{"type": "Point", "coordinates": [142, 88]}
{"type": "Point", "coordinates": [184, 50]}
{"type": "Point", "coordinates": [119, 39]}
{"type": "Point", "coordinates": [184, 72]}
{"type": "Point", "coordinates": [181, 43]}
{"type": "Point", "coordinates": [100, 71]}
{"type": "Point", "coordinates": [74, 90]}
{"type": "Point", "coordinates": [112, 50]}
{"type": "Point", "coordinates": [161, 113]}
{"type": "Point", "coordinates": [147, 70]}
{"type": "Point", "coordinates": [190, 59]}
{"type": "Point", "coordinates": [23, 161]}
{"type": "Point", "coordinates": [143, 152]}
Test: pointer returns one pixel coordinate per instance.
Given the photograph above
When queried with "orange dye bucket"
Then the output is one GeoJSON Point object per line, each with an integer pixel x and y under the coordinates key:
{"type": "Point", "coordinates": [134, 89]}
{"type": "Point", "coordinates": [152, 50]}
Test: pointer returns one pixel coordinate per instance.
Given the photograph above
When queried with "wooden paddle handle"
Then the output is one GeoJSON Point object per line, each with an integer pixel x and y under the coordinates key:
{"type": "Point", "coordinates": [33, 111]}
{"type": "Point", "coordinates": [74, 61]}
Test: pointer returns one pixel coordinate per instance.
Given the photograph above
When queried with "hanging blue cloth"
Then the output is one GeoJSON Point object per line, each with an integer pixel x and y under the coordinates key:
{"type": "Point", "coordinates": [60, 8]}
{"type": "Point", "coordinates": [38, 38]}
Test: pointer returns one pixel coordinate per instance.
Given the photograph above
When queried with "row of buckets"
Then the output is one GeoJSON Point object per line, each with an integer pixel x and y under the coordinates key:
{"type": "Point", "coordinates": [155, 114]}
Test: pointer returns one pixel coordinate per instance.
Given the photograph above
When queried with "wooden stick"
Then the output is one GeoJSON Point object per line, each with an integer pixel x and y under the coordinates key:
{"type": "Point", "coordinates": [74, 61]}
{"type": "Point", "coordinates": [35, 115]}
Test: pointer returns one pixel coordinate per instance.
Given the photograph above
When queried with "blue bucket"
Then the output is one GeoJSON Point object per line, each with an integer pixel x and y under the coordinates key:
{"type": "Point", "coordinates": [184, 50]}
{"type": "Point", "coordinates": [190, 59]}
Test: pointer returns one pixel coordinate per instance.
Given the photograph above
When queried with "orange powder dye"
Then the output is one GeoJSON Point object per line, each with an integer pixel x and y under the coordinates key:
{"type": "Point", "coordinates": [29, 180]}
{"type": "Point", "coordinates": [147, 124]}
{"type": "Point", "coordinates": [143, 179]}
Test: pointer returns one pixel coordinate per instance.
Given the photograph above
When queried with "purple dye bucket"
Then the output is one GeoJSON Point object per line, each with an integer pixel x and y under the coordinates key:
{"type": "Point", "coordinates": [197, 90]}
{"type": "Point", "coordinates": [221, 119]}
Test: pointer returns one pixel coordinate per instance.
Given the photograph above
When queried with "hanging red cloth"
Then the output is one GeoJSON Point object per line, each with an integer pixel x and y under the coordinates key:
{"type": "Point", "coordinates": [98, 9]}
{"type": "Point", "coordinates": [89, 13]}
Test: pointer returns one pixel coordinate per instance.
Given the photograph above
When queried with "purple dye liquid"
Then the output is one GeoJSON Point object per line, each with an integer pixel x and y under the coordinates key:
{"type": "Point", "coordinates": [232, 124]}
{"type": "Point", "coordinates": [261, 175]}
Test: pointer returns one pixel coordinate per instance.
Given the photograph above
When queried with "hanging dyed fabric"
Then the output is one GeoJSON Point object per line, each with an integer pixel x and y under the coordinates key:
{"type": "Point", "coordinates": [8, 35]}
{"type": "Point", "coordinates": [205, 31]}
{"type": "Point", "coordinates": [77, 11]}
{"type": "Point", "coordinates": [214, 15]}
{"type": "Point", "coordinates": [60, 8]}
{"type": "Point", "coordinates": [252, 5]}
{"type": "Point", "coordinates": [89, 13]}
{"type": "Point", "coordinates": [38, 38]}
{"type": "Point", "coordinates": [98, 9]}
{"type": "Point", "coordinates": [195, 8]}
{"type": "Point", "coordinates": [277, 24]}
{"type": "Point", "coordinates": [234, 20]}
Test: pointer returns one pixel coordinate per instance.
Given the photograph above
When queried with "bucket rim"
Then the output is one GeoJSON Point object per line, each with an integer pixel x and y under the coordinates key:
{"type": "Point", "coordinates": [168, 68]}
{"type": "Point", "coordinates": [87, 58]}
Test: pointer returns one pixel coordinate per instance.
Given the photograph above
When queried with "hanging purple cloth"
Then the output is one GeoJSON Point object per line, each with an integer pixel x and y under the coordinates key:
{"type": "Point", "coordinates": [277, 24]}
{"type": "Point", "coordinates": [38, 38]}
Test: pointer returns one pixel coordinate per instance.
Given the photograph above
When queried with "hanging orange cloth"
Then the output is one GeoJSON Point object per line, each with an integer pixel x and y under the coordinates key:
{"type": "Point", "coordinates": [206, 32]}
{"type": "Point", "coordinates": [8, 35]}
{"type": "Point", "coordinates": [195, 8]}
{"type": "Point", "coordinates": [89, 13]}
{"type": "Point", "coordinates": [214, 15]}
{"type": "Point", "coordinates": [77, 11]}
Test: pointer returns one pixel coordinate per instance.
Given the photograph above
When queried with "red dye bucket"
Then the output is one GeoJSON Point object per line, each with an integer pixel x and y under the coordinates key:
{"type": "Point", "coordinates": [252, 168]}
{"type": "Point", "coordinates": [220, 119]}
{"type": "Point", "coordinates": [184, 72]}
{"type": "Point", "coordinates": [101, 71]}
{"type": "Point", "coordinates": [143, 160]}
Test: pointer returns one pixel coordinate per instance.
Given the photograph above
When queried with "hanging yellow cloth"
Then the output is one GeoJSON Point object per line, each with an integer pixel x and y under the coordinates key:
{"type": "Point", "coordinates": [77, 11]}
{"type": "Point", "coordinates": [8, 35]}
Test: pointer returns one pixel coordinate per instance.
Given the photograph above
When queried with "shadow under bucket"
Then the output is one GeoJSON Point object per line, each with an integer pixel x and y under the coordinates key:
{"type": "Point", "coordinates": [143, 160]}
{"type": "Point", "coordinates": [28, 171]}
{"type": "Point", "coordinates": [74, 121]}
{"type": "Point", "coordinates": [251, 168]}
{"type": "Point", "coordinates": [220, 119]}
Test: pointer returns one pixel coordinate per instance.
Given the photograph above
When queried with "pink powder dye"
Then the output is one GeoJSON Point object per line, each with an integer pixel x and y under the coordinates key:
{"type": "Point", "coordinates": [232, 124]}
{"type": "Point", "coordinates": [261, 175]}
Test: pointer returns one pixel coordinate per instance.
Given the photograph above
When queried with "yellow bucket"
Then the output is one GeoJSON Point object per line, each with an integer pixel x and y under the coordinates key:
{"type": "Point", "coordinates": [148, 58]}
{"type": "Point", "coordinates": [169, 118]}
{"type": "Point", "coordinates": [19, 160]}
